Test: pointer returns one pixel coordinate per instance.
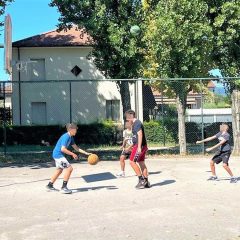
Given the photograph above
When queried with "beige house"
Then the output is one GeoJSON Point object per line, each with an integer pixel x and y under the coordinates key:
{"type": "Point", "coordinates": [46, 63]}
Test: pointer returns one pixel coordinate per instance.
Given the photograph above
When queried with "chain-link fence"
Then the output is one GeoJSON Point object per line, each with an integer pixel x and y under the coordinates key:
{"type": "Point", "coordinates": [176, 113]}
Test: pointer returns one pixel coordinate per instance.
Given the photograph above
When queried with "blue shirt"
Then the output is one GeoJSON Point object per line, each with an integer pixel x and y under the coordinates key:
{"type": "Point", "coordinates": [64, 141]}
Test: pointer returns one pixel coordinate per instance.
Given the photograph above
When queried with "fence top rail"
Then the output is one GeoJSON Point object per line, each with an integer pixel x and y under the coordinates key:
{"type": "Point", "coordinates": [127, 80]}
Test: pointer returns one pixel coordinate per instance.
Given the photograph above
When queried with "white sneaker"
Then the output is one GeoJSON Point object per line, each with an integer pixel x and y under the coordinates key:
{"type": "Point", "coordinates": [65, 190]}
{"type": "Point", "coordinates": [121, 174]}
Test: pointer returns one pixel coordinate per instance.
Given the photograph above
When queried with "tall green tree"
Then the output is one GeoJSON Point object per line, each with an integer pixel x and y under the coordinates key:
{"type": "Point", "coordinates": [3, 5]}
{"type": "Point", "coordinates": [115, 51]}
{"type": "Point", "coordinates": [178, 39]}
{"type": "Point", "coordinates": [224, 18]}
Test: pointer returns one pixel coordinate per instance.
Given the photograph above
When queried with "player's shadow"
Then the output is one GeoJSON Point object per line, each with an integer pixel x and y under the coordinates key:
{"type": "Point", "coordinates": [165, 182]}
{"type": "Point", "coordinates": [98, 177]}
{"type": "Point", "coordinates": [154, 173]}
{"type": "Point", "coordinates": [86, 189]}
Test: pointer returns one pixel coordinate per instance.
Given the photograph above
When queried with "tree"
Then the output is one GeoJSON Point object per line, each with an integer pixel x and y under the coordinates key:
{"type": "Point", "coordinates": [178, 39]}
{"type": "Point", "coordinates": [115, 51]}
{"type": "Point", "coordinates": [3, 5]}
{"type": "Point", "coordinates": [224, 18]}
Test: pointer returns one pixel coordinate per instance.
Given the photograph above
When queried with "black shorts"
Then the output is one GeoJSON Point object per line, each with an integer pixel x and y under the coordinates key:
{"type": "Point", "coordinates": [126, 154]}
{"type": "Point", "coordinates": [222, 157]}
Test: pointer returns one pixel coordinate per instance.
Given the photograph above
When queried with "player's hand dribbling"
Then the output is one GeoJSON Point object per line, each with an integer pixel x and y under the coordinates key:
{"type": "Point", "coordinates": [75, 156]}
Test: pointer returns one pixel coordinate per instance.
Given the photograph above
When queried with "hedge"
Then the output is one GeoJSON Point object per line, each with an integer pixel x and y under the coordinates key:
{"type": "Point", "coordinates": [106, 133]}
{"type": "Point", "coordinates": [95, 133]}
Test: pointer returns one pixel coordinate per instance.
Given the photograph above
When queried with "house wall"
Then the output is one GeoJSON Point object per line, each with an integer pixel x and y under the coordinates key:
{"type": "Point", "coordinates": [87, 101]}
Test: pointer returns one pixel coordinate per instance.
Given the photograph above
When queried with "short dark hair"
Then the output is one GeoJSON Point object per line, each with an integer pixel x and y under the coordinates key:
{"type": "Point", "coordinates": [130, 111]}
{"type": "Point", "coordinates": [71, 126]}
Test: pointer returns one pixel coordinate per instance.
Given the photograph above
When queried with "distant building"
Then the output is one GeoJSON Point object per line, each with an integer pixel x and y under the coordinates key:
{"type": "Point", "coordinates": [209, 115]}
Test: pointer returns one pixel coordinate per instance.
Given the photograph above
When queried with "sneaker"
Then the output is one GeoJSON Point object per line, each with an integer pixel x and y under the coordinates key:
{"type": "Point", "coordinates": [213, 178]}
{"type": "Point", "coordinates": [141, 184]}
{"type": "Point", "coordinates": [121, 174]}
{"type": "Point", "coordinates": [65, 190]}
{"type": "Point", "coordinates": [51, 188]}
{"type": "Point", "coordinates": [233, 180]}
{"type": "Point", "coordinates": [146, 183]}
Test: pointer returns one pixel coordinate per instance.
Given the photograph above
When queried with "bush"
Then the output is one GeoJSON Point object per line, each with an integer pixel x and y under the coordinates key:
{"type": "Point", "coordinates": [157, 133]}
{"type": "Point", "coordinates": [94, 133]}
{"type": "Point", "coordinates": [167, 131]}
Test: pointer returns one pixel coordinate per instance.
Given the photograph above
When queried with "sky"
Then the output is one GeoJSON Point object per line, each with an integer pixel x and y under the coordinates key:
{"type": "Point", "coordinates": [29, 18]}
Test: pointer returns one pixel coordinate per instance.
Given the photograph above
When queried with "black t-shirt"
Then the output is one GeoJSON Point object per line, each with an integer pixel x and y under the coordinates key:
{"type": "Point", "coordinates": [137, 126]}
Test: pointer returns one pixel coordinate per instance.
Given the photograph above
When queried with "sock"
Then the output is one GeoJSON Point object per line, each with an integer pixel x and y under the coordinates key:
{"type": "Point", "coordinates": [64, 184]}
{"type": "Point", "coordinates": [140, 178]}
{"type": "Point", "coordinates": [146, 178]}
{"type": "Point", "coordinates": [50, 184]}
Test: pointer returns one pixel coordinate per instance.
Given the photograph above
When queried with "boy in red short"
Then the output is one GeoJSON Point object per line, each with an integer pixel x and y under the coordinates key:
{"type": "Point", "coordinates": [137, 157]}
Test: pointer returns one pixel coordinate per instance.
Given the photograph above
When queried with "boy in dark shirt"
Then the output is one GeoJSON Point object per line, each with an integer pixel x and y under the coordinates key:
{"type": "Point", "coordinates": [137, 157]}
{"type": "Point", "coordinates": [223, 153]}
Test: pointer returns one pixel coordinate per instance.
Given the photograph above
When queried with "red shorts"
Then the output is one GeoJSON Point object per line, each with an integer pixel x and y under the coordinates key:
{"type": "Point", "coordinates": [138, 158]}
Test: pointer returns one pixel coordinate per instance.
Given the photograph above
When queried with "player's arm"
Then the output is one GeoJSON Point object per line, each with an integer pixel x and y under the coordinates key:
{"type": "Point", "coordinates": [68, 152]}
{"type": "Point", "coordinates": [128, 149]}
{"type": "Point", "coordinates": [207, 139]}
{"type": "Point", "coordinates": [124, 143]}
{"type": "Point", "coordinates": [140, 137]}
{"type": "Point", "coordinates": [76, 148]}
{"type": "Point", "coordinates": [217, 145]}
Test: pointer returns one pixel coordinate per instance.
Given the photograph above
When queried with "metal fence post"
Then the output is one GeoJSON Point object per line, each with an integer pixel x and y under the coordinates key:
{"type": "Point", "coordinates": [4, 121]}
{"type": "Point", "coordinates": [162, 112]}
{"type": "Point", "coordinates": [202, 122]}
{"type": "Point", "coordinates": [70, 101]}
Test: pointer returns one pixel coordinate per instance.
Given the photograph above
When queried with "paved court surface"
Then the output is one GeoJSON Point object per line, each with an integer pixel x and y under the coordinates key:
{"type": "Point", "coordinates": [181, 204]}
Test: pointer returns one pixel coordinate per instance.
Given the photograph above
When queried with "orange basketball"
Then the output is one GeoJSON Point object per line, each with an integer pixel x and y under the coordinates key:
{"type": "Point", "coordinates": [93, 159]}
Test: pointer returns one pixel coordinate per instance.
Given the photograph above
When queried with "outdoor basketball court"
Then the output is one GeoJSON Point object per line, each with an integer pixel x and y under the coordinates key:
{"type": "Point", "coordinates": [181, 204]}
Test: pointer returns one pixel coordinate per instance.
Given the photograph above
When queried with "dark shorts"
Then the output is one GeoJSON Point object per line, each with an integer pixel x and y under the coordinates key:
{"type": "Point", "coordinates": [222, 157]}
{"type": "Point", "coordinates": [126, 154]}
{"type": "Point", "coordinates": [138, 157]}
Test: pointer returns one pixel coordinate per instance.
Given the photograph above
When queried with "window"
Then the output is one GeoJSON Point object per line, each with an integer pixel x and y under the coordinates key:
{"type": "Point", "coordinates": [76, 71]}
{"type": "Point", "coordinates": [37, 69]}
{"type": "Point", "coordinates": [113, 110]}
{"type": "Point", "coordinates": [39, 113]}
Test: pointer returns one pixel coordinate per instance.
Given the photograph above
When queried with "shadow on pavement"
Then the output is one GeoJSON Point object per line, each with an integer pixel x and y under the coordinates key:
{"type": "Point", "coordinates": [165, 182]}
{"type": "Point", "coordinates": [98, 177]}
{"type": "Point", "coordinates": [86, 189]}
{"type": "Point", "coordinates": [154, 173]}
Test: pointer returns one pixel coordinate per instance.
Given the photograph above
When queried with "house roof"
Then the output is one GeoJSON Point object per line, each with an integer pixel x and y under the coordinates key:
{"type": "Point", "coordinates": [72, 37]}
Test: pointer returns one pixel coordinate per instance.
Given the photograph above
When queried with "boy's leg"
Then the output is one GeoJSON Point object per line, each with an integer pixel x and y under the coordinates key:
{"type": "Point", "coordinates": [226, 167]}
{"type": "Point", "coordinates": [225, 158]}
{"type": "Point", "coordinates": [122, 162]}
{"type": "Point", "coordinates": [56, 175]}
{"type": "Point", "coordinates": [67, 173]}
{"type": "Point", "coordinates": [136, 168]}
{"type": "Point", "coordinates": [143, 169]}
{"type": "Point", "coordinates": [212, 166]}
{"type": "Point", "coordinates": [122, 165]}
{"type": "Point", "coordinates": [141, 162]}
{"type": "Point", "coordinates": [63, 164]}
